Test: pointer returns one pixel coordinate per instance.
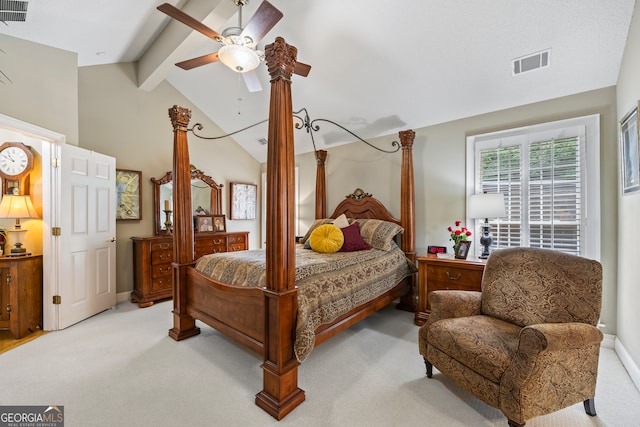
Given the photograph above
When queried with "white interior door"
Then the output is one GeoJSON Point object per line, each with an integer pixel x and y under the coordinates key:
{"type": "Point", "coordinates": [86, 261]}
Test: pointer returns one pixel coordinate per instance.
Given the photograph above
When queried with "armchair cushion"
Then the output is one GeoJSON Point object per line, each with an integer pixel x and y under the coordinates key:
{"type": "Point", "coordinates": [484, 344]}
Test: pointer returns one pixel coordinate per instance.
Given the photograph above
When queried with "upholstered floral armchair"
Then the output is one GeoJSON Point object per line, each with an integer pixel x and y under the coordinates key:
{"type": "Point", "coordinates": [528, 343]}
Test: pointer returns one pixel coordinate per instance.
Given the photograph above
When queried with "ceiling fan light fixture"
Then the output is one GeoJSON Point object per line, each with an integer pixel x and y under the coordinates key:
{"type": "Point", "coordinates": [239, 58]}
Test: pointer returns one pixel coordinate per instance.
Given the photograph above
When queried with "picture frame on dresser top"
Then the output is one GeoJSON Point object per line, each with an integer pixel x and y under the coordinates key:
{"type": "Point", "coordinates": [219, 224]}
{"type": "Point", "coordinates": [462, 250]}
{"type": "Point", "coordinates": [203, 223]}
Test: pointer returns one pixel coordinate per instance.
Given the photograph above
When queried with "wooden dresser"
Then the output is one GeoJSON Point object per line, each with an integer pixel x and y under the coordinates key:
{"type": "Point", "coordinates": [152, 258]}
{"type": "Point", "coordinates": [21, 294]}
{"type": "Point", "coordinates": [445, 273]}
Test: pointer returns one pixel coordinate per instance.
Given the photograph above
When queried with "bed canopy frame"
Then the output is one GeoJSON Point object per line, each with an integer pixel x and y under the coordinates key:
{"type": "Point", "coordinates": [278, 302]}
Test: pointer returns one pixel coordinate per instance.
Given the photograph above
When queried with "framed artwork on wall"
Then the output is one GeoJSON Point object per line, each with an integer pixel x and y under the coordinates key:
{"type": "Point", "coordinates": [128, 195]}
{"type": "Point", "coordinates": [243, 201]}
{"type": "Point", "coordinates": [629, 152]}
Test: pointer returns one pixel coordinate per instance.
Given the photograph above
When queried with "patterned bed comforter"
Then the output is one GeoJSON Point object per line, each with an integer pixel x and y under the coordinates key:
{"type": "Point", "coordinates": [329, 285]}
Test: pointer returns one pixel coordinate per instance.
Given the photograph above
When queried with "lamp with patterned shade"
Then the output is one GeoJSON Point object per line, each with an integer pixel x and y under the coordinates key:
{"type": "Point", "coordinates": [17, 207]}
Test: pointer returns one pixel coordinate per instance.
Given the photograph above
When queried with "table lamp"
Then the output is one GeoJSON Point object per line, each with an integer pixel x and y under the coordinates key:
{"type": "Point", "coordinates": [17, 207]}
{"type": "Point", "coordinates": [486, 206]}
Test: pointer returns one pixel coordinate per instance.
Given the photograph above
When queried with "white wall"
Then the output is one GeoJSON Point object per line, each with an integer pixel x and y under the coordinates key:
{"type": "Point", "coordinates": [44, 88]}
{"type": "Point", "coordinates": [628, 95]}
{"type": "Point", "coordinates": [118, 119]}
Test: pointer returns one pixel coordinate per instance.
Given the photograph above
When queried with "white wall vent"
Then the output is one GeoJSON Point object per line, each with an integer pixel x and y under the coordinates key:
{"type": "Point", "coordinates": [263, 141]}
{"type": "Point", "coordinates": [13, 10]}
{"type": "Point", "coordinates": [531, 62]}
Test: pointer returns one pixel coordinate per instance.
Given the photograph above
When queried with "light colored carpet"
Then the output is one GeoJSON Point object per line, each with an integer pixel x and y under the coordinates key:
{"type": "Point", "coordinates": [120, 368]}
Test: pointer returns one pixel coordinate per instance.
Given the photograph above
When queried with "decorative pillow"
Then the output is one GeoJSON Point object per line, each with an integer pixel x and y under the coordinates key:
{"type": "Point", "coordinates": [379, 234]}
{"type": "Point", "coordinates": [316, 224]}
{"type": "Point", "coordinates": [352, 239]}
{"type": "Point", "coordinates": [327, 238]}
{"type": "Point", "coordinates": [341, 221]}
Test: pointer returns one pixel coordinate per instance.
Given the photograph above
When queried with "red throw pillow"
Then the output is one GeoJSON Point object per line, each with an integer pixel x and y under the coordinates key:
{"type": "Point", "coordinates": [352, 239]}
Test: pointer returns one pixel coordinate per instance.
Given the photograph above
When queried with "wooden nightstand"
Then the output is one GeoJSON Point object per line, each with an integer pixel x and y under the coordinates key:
{"type": "Point", "coordinates": [21, 294]}
{"type": "Point", "coordinates": [445, 273]}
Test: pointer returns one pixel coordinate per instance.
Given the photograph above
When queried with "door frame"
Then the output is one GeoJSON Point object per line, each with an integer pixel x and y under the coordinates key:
{"type": "Point", "coordinates": [51, 142]}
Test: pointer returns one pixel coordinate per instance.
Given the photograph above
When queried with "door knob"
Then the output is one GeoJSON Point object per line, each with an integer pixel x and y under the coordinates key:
{"type": "Point", "coordinates": [113, 239]}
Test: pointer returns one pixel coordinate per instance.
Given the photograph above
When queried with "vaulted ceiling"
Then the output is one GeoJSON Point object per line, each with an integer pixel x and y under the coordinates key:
{"type": "Point", "coordinates": [377, 66]}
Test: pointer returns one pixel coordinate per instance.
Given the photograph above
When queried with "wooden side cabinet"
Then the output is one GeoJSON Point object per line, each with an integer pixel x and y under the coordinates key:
{"type": "Point", "coordinates": [445, 273]}
{"type": "Point", "coordinates": [153, 258]}
{"type": "Point", "coordinates": [21, 294]}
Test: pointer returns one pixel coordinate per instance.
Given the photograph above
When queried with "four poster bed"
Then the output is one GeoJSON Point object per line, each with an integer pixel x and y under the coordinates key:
{"type": "Point", "coordinates": [265, 315]}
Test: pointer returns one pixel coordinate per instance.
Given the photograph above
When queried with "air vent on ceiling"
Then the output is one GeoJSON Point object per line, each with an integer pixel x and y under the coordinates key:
{"type": "Point", "coordinates": [263, 141]}
{"type": "Point", "coordinates": [13, 10]}
{"type": "Point", "coordinates": [531, 62]}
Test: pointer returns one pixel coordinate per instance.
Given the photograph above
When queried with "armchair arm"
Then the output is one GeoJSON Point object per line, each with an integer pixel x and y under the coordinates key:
{"type": "Point", "coordinates": [555, 366]}
{"type": "Point", "coordinates": [450, 304]}
{"type": "Point", "coordinates": [558, 336]}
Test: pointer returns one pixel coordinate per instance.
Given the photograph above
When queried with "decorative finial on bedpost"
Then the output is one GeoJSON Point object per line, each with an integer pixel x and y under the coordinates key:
{"type": "Point", "coordinates": [180, 117]}
{"type": "Point", "coordinates": [407, 137]}
{"type": "Point", "coordinates": [281, 59]}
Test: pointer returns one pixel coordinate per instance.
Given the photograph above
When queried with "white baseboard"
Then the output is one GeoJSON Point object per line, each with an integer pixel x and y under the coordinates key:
{"type": "Point", "coordinates": [628, 363]}
{"type": "Point", "coordinates": [123, 296]}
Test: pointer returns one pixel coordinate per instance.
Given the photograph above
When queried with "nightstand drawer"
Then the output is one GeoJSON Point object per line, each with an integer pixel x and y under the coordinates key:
{"type": "Point", "coordinates": [445, 277]}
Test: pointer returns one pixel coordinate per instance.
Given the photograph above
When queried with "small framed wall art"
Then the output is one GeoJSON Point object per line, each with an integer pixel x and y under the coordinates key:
{"type": "Point", "coordinates": [243, 201]}
{"type": "Point", "coordinates": [629, 152]}
{"type": "Point", "coordinates": [128, 195]}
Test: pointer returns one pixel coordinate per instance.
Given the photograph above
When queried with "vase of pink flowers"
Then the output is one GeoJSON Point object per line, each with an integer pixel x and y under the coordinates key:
{"type": "Point", "coordinates": [457, 234]}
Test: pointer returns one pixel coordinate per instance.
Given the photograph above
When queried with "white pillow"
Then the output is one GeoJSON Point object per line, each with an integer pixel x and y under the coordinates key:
{"type": "Point", "coordinates": [341, 221]}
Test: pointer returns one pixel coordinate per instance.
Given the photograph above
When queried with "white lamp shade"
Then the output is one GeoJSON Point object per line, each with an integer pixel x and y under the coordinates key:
{"type": "Point", "coordinates": [239, 58]}
{"type": "Point", "coordinates": [486, 206]}
{"type": "Point", "coordinates": [17, 207]}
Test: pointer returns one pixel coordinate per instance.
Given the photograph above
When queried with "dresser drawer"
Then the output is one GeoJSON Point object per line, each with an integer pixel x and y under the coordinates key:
{"type": "Point", "coordinates": [161, 257]}
{"type": "Point", "coordinates": [161, 284]}
{"type": "Point", "coordinates": [237, 239]}
{"type": "Point", "coordinates": [234, 247]}
{"type": "Point", "coordinates": [161, 270]}
{"type": "Point", "coordinates": [162, 246]}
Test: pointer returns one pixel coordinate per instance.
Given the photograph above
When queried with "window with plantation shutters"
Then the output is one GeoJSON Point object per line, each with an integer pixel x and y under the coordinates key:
{"type": "Point", "coordinates": [549, 176]}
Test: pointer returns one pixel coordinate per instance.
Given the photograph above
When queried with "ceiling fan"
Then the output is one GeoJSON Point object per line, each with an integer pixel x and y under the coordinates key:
{"type": "Point", "coordinates": [239, 49]}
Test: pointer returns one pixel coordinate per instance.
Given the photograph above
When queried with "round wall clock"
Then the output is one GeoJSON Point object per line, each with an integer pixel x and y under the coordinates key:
{"type": "Point", "coordinates": [16, 160]}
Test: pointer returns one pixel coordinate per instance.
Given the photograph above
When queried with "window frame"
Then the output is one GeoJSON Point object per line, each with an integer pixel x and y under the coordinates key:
{"type": "Point", "coordinates": [588, 129]}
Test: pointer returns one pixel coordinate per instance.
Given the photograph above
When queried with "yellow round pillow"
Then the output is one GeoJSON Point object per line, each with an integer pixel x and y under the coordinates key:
{"type": "Point", "coordinates": [326, 238]}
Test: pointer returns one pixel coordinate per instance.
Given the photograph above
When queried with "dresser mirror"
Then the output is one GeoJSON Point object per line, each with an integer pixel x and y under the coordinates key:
{"type": "Point", "coordinates": [206, 197]}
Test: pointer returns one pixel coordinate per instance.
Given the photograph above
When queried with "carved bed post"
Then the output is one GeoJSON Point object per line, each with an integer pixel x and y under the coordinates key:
{"type": "Point", "coordinates": [408, 213]}
{"type": "Point", "coordinates": [184, 326]}
{"type": "Point", "coordinates": [280, 394]}
{"type": "Point", "coordinates": [321, 187]}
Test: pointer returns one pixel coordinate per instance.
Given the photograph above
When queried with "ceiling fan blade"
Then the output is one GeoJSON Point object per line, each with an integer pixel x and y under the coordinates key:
{"type": "Point", "coordinates": [301, 69]}
{"type": "Point", "coordinates": [252, 81]}
{"type": "Point", "coordinates": [179, 15]}
{"type": "Point", "coordinates": [199, 61]}
{"type": "Point", "coordinates": [262, 22]}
